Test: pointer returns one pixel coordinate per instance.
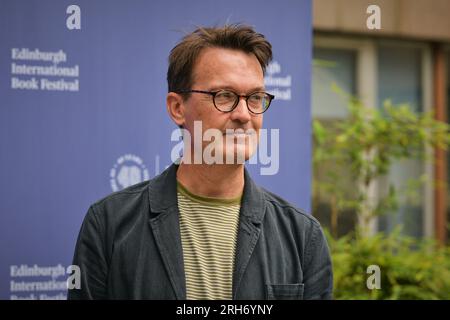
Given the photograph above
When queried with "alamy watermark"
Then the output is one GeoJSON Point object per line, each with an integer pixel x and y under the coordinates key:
{"type": "Point", "coordinates": [373, 22]}
{"type": "Point", "coordinates": [228, 146]}
{"type": "Point", "coordinates": [374, 280]}
{"type": "Point", "coordinates": [73, 21]}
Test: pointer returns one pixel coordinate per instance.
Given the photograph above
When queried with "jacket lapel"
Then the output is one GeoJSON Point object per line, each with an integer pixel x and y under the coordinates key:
{"type": "Point", "coordinates": [164, 221]}
{"type": "Point", "coordinates": [251, 215]}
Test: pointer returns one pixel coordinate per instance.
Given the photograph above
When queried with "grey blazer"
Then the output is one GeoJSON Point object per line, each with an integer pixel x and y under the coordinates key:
{"type": "Point", "coordinates": [129, 247]}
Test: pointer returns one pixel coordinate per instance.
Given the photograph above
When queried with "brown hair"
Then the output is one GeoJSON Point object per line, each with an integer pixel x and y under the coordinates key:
{"type": "Point", "coordinates": [235, 36]}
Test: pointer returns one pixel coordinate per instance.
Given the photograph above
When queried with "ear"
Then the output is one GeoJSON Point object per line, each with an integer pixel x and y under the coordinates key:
{"type": "Point", "coordinates": [175, 108]}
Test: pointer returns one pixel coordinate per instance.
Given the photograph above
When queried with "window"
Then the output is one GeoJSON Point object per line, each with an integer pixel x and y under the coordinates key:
{"type": "Point", "coordinates": [399, 79]}
{"type": "Point", "coordinates": [448, 153]}
{"type": "Point", "coordinates": [332, 66]}
{"type": "Point", "coordinates": [376, 70]}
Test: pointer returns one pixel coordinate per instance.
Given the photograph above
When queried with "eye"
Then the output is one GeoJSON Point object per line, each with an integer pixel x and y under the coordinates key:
{"type": "Point", "coordinates": [225, 95]}
{"type": "Point", "coordinates": [257, 97]}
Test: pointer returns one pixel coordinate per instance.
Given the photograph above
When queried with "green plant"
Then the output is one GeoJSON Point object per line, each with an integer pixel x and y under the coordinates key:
{"type": "Point", "coordinates": [409, 268]}
{"type": "Point", "coordinates": [349, 156]}
{"type": "Point", "coordinates": [364, 145]}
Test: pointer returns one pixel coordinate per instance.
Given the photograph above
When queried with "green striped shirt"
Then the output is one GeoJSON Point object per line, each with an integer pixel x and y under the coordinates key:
{"type": "Point", "coordinates": [208, 229]}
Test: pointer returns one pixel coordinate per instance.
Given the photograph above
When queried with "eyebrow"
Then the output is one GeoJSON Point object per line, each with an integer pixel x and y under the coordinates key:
{"type": "Point", "coordinates": [256, 89]}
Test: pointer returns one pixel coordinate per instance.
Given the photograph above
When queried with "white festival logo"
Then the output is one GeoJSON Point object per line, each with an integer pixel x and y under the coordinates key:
{"type": "Point", "coordinates": [128, 170]}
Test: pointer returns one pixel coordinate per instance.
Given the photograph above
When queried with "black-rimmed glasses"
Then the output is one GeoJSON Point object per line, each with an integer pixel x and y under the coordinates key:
{"type": "Point", "coordinates": [227, 101]}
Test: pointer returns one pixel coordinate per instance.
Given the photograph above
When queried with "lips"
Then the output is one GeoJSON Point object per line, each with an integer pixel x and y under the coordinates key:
{"type": "Point", "coordinates": [239, 133]}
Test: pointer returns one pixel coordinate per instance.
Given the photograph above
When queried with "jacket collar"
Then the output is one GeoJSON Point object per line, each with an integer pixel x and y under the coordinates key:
{"type": "Point", "coordinates": [164, 221]}
{"type": "Point", "coordinates": [163, 194]}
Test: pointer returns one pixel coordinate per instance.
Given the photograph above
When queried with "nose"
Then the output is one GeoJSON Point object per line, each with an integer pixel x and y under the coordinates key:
{"type": "Point", "coordinates": [241, 112]}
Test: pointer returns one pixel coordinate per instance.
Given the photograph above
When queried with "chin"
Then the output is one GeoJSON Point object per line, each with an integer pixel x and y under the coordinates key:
{"type": "Point", "coordinates": [240, 154]}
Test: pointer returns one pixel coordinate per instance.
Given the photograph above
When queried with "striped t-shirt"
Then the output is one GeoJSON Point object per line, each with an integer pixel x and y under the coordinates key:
{"type": "Point", "coordinates": [208, 229]}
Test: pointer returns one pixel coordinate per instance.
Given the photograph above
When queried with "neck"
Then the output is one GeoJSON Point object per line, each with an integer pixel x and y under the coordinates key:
{"type": "Point", "coordinates": [218, 181]}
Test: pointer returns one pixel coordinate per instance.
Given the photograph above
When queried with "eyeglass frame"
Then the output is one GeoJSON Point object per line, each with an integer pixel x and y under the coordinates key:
{"type": "Point", "coordinates": [214, 93]}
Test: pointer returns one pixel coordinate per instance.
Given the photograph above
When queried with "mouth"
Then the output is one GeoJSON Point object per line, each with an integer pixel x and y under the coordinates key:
{"type": "Point", "coordinates": [239, 133]}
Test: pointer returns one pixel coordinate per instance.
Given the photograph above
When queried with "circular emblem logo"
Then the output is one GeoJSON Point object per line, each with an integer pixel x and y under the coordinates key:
{"type": "Point", "coordinates": [128, 170]}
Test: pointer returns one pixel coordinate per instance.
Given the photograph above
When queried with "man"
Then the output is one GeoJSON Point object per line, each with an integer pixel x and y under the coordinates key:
{"type": "Point", "coordinates": [203, 229]}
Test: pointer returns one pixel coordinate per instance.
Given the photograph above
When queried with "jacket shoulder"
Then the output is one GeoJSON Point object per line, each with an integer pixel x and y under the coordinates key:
{"type": "Point", "coordinates": [287, 209]}
{"type": "Point", "coordinates": [122, 203]}
{"type": "Point", "coordinates": [135, 189]}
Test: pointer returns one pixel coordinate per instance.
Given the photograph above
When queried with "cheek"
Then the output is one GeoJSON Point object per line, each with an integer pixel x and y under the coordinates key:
{"type": "Point", "coordinates": [257, 122]}
{"type": "Point", "coordinates": [211, 118]}
{"type": "Point", "coordinates": [192, 112]}
{"type": "Point", "coordinates": [206, 114]}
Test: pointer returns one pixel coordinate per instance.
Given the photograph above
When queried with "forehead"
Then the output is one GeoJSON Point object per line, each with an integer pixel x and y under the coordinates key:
{"type": "Point", "coordinates": [217, 67]}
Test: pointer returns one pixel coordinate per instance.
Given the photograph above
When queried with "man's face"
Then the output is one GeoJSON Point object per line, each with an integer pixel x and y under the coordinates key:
{"type": "Point", "coordinates": [234, 70]}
